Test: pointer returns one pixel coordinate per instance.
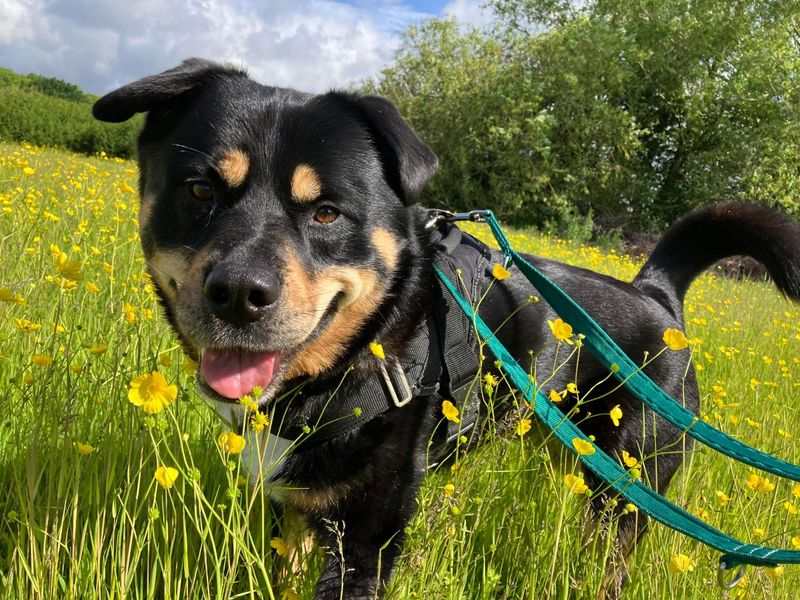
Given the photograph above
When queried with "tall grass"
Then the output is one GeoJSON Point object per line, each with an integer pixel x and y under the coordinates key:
{"type": "Point", "coordinates": [83, 517]}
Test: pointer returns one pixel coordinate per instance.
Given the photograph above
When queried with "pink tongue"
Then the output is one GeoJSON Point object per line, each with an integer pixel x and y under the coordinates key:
{"type": "Point", "coordinates": [234, 373]}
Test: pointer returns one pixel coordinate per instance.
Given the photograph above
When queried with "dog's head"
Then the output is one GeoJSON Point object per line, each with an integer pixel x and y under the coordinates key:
{"type": "Point", "coordinates": [274, 222]}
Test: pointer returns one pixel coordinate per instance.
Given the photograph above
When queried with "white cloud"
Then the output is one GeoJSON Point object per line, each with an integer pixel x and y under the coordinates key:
{"type": "Point", "coordinates": [308, 44]}
{"type": "Point", "coordinates": [469, 12]}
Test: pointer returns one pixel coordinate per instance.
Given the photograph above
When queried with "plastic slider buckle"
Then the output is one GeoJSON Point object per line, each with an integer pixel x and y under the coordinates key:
{"type": "Point", "coordinates": [405, 395]}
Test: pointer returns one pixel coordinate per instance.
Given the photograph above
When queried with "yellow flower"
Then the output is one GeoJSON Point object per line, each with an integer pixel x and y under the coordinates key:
{"type": "Point", "coordinates": [554, 396]}
{"type": "Point", "coordinates": [490, 380]}
{"type": "Point", "coordinates": [523, 427]}
{"type": "Point", "coordinates": [774, 572]}
{"type": "Point", "coordinates": [450, 412]}
{"type": "Point", "coordinates": [790, 508]}
{"type": "Point", "coordinates": [499, 272]}
{"type": "Point", "coordinates": [572, 388]}
{"type": "Point", "coordinates": [84, 449]}
{"type": "Point", "coordinates": [130, 313]}
{"type": "Point", "coordinates": [26, 326]}
{"type": "Point", "coordinates": [377, 350]}
{"type": "Point", "coordinates": [616, 415]}
{"type": "Point", "coordinates": [796, 490]}
{"type": "Point", "coordinates": [98, 349]}
{"type": "Point", "coordinates": [561, 331]}
{"type": "Point", "coordinates": [680, 563]}
{"type": "Point", "coordinates": [259, 421]}
{"type": "Point", "coordinates": [29, 171]}
{"type": "Point", "coordinates": [231, 442]}
{"type": "Point", "coordinates": [151, 392]}
{"type": "Point", "coordinates": [723, 498]}
{"type": "Point", "coordinates": [759, 484]}
{"type": "Point", "coordinates": [280, 547]}
{"type": "Point", "coordinates": [42, 360]}
{"type": "Point", "coordinates": [6, 295]}
{"type": "Point", "coordinates": [796, 542]}
{"type": "Point", "coordinates": [630, 461]}
{"type": "Point", "coordinates": [675, 339]}
{"type": "Point", "coordinates": [575, 484]}
{"type": "Point", "coordinates": [449, 490]}
{"type": "Point", "coordinates": [70, 269]}
{"type": "Point", "coordinates": [166, 476]}
{"type": "Point", "coordinates": [583, 447]}
{"type": "Point", "coordinates": [90, 287]}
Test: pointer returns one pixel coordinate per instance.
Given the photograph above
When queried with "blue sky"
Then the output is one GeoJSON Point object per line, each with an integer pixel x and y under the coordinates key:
{"type": "Point", "coordinates": [311, 45]}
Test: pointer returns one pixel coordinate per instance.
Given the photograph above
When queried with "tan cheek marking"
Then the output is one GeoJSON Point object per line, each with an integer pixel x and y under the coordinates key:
{"type": "Point", "coordinates": [306, 185]}
{"type": "Point", "coordinates": [146, 211]}
{"type": "Point", "coordinates": [363, 295]}
{"type": "Point", "coordinates": [387, 246]}
{"type": "Point", "coordinates": [167, 267]}
{"type": "Point", "coordinates": [233, 167]}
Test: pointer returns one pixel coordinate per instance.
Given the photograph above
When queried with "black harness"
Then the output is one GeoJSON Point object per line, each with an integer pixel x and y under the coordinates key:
{"type": "Point", "coordinates": [441, 361]}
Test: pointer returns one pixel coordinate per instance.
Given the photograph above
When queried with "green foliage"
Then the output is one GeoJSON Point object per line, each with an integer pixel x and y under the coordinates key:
{"type": "Point", "coordinates": [635, 111]}
{"type": "Point", "coordinates": [50, 112]}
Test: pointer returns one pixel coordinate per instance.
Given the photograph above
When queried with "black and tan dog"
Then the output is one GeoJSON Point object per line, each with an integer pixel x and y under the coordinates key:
{"type": "Point", "coordinates": [281, 232]}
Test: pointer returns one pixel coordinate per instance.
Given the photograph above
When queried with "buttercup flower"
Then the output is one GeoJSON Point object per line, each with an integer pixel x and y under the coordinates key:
{"type": "Point", "coordinates": [84, 449]}
{"type": "Point", "coordinates": [616, 415]}
{"type": "Point", "coordinates": [575, 484]}
{"type": "Point", "coordinates": [450, 412]}
{"type": "Point", "coordinates": [231, 442]}
{"type": "Point", "coordinates": [499, 272]}
{"type": "Point", "coordinates": [675, 339]}
{"type": "Point", "coordinates": [166, 476]}
{"type": "Point", "coordinates": [523, 427]}
{"type": "Point", "coordinates": [680, 563]}
{"type": "Point", "coordinates": [377, 350]}
{"type": "Point", "coordinates": [151, 392]}
{"type": "Point", "coordinates": [583, 447]}
{"type": "Point", "coordinates": [561, 331]}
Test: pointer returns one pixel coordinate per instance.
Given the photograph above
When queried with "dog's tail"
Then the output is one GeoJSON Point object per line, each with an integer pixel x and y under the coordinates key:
{"type": "Point", "coordinates": [716, 231]}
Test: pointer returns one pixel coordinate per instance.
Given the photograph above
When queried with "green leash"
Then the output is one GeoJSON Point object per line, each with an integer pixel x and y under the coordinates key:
{"type": "Point", "coordinates": [650, 502]}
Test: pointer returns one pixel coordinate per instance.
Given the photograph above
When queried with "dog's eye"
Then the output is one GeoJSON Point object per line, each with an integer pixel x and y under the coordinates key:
{"type": "Point", "coordinates": [201, 190]}
{"type": "Point", "coordinates": [326, 215]}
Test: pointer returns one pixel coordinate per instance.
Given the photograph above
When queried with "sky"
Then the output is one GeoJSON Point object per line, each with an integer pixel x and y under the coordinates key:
{"type": "Point", "coordinates": [311, 45]}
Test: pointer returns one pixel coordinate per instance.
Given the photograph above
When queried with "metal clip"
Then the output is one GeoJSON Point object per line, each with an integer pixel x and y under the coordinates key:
{"type": "Point", "coordinates": [728, 585]}
{"type": "Point", "coordinates": [436, 215]}
{"type": "Point", "coordinates": [405, 389]}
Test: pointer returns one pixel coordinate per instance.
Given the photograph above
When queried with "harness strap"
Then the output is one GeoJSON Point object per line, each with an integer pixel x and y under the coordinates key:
{"type": "Point", "coordinates": [607, 469]}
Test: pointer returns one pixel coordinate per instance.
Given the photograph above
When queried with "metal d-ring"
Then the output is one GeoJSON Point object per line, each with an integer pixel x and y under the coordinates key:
{"type": "Point", "coordinates": [729, 585]}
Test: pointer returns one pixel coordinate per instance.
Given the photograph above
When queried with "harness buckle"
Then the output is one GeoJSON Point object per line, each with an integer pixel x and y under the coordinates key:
{"type": "Point", "coordinates": [436, 215]}
{"type": "Point", "coordinates": [400, 400]}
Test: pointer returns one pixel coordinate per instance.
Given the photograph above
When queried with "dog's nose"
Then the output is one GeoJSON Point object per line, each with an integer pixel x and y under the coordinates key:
{"type": "Point", "coordinates": [239, 296]}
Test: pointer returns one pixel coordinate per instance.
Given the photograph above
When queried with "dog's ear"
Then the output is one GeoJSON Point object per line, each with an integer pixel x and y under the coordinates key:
{"type": "Point", "coordinates": [156, 91]}
{"type": "Point", "coordinates": [408, 163]}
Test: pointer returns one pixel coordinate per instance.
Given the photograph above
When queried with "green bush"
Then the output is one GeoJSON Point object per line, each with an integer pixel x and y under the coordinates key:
{"type": "Point", "coordinates": [50, 112]}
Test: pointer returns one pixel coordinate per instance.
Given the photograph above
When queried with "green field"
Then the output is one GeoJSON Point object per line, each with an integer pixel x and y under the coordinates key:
{"type": "Point", "coordinates": [82, 515]}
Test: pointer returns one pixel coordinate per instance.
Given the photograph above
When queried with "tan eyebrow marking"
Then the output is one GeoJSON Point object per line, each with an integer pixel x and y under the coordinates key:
{"type": "Point", "coordinates": [306, 185]}
{"type": "Point", "coordinates": [233, 167]}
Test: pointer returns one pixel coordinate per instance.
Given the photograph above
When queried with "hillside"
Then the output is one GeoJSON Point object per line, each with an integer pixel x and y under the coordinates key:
{"type": "Point", "coordinates": [50, 112]}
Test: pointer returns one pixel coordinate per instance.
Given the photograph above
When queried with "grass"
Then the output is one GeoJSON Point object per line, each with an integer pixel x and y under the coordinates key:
{"type": "Point", "coordinates": [499, 523]}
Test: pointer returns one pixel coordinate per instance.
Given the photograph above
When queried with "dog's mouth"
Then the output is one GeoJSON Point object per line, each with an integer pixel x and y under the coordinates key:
{"type": "Point", "coordinates": [233, 373]}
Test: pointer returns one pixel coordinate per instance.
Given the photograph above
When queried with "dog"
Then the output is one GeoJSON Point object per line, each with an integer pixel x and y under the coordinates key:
{"type": "Point", "coordinates": [282, 234]}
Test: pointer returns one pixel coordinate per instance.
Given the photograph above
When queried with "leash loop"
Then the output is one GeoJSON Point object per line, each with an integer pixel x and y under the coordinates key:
{"type": "Point", "coordinates": [405, 395]}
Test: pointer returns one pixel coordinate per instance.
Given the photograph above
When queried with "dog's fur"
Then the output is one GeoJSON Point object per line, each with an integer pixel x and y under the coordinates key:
{"type": "Point", "coordinates": [278, 165]}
